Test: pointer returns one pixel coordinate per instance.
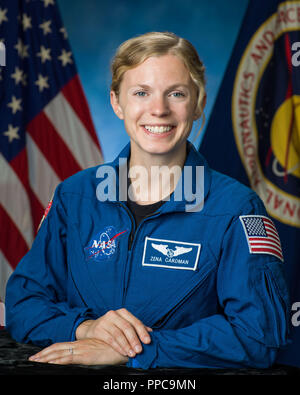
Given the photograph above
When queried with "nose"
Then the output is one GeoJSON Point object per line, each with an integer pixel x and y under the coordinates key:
{"type": "Point", "coordinates": [160, 106]}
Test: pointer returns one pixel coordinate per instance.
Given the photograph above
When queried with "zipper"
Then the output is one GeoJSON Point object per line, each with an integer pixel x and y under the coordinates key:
{"type": "Point", "coordinates": [130, 244]}
{"type": "Point", "coordinates": [133, 230]}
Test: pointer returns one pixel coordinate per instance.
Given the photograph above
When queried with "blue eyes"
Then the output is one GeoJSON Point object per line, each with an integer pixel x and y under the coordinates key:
{"type": "Point", "coordinates": [140, 93]}
{"type": "Point", "coordinates": [178, 94]}
{"type": "Point", "coordinates": [174, 94]}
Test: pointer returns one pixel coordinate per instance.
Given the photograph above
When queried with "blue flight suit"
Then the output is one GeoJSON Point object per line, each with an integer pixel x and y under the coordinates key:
{"type": "Point", "coordinates": [190, 276]}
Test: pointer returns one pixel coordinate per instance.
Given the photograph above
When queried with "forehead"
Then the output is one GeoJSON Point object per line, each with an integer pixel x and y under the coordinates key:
{"type": "Point", "coordinates": [158, 69]}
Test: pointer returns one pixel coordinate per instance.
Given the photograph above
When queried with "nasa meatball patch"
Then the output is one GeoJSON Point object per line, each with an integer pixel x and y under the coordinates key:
{"type": "Point", "coordinates": [103, 245]}
{"type": "Point", "coordinates": [171, 254]}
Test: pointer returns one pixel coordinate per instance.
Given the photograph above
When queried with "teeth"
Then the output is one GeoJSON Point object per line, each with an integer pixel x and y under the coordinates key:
{"type": "Point", "coordinates": [158, 129]}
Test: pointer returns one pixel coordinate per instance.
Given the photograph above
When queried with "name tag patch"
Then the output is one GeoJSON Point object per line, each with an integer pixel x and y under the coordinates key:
{"type": "Point", "coordinates": [171, 254]}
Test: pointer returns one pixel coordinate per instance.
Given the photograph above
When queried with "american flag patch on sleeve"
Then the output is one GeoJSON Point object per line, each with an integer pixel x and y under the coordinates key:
{"type": "Point", "coordinates": [261, 235]}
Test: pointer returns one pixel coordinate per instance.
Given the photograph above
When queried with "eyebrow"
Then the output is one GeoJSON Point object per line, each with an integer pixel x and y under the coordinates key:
{"type": "Point", "coordinates": [174, 86]}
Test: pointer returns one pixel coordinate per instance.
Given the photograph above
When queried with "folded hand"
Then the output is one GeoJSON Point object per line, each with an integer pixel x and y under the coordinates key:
{"type": "Point", "coordinates": [86, 352]}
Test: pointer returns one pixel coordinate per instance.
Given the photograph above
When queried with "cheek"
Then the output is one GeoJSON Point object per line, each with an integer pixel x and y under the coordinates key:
{"type": "Point", "coordinates": [133, 112]}
{"type": "Point", "coordinates": [185, 114]}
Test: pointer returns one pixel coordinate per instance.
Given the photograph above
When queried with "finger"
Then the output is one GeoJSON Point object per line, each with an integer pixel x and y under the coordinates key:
{"type": "Point", "coordinates": [51, 350]}
{"type": "Point", "coordinates": [109, 339]}
{"type": "Point", "coordinates": [63, 360]}
{"type": "Point", "coordinates": [119, 334]}
{"type": "Point", "coordinates": [54, 355]}
{"type": "Point", "coordinates": [129, 336]}
{"type": "Point", "coordinates": [139, 327]}
{"type": "Point", "coordinates": [122, 331]}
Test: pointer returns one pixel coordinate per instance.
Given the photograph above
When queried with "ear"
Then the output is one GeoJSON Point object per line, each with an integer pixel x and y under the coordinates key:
{"type": "Point", "coordinates": [199, 111]}
{"type": "Point", "coordinates": [114, 101]}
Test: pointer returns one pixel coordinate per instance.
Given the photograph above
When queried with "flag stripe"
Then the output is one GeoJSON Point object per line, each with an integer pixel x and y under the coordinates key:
{"type": "Point", "coordinates": [272, 232]}
{"type": "Point", "coordinates": [270, 226]}
{"type": "Point", "coordinates": [265, 248]}
{"type": "Point", "coordinates": [72, 131]}
{"type": "Point", "coordinates": [18, 164]}
{"type": "Point", "coordinates": [19, 213]}
{"type": "Point", "coordinates": [12, 243]}
{"type": "Point", "coordinates": [262, 238]}
{"type": "Point", "coordinates": [269, 221]}
{"type": "Point", "coordinates": [39, 171]}
{"type": "Point", "coordinates": [52, 146]}
{"type": "Point", "coordinates": [80, 105]}
{"type": "Point", "coordinates": [5, 271]}
{"type": "Point", "coordinates": [274, 246]}
{"type": "Point", "coordinates": [268, 250]}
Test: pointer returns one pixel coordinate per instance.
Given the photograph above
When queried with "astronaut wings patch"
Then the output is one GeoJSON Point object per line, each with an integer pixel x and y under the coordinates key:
{"type": "Point", "coordinates": [261, 235]}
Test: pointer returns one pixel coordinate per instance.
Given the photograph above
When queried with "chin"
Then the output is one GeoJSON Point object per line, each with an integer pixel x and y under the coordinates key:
{"type": "Point", "coordinates": [159, 149]}
{"type": "Point", "coordinates": [164, 149]}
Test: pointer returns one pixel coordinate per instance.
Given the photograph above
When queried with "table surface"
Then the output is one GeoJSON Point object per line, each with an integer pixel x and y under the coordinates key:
{"type": "Point", "coordinates": [14, 361]}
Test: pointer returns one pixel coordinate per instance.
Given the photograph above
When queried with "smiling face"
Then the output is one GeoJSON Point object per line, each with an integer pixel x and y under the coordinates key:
{"type": "Point", "coordinates": [157, 102]}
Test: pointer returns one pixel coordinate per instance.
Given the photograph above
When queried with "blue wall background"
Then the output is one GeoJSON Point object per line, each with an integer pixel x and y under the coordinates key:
{"type": "Point", "coordinates": [97, 27]}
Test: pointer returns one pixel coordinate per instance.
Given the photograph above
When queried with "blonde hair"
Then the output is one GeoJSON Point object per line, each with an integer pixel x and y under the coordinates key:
{"type": "Point", "coordinates": [136, 50]}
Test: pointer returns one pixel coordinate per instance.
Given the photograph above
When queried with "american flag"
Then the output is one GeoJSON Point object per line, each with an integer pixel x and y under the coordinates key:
{"type": "Point", "coordinates": [46, 131]}
{"type": "Point", "coordinates": [261, 235]}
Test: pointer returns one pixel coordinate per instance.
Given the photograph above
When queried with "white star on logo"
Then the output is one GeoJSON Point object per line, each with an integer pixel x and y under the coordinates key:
{"type": "Point", "coordinates": [3, 17]}
{"type": "Point", "coordinates": [12, 133]}
{"type": "Point", "coordinates": [44, 54]}
{"type": "Point", "coordinates": [45, 26]}
{"type": "Point", "coordinates": [15, 104]}
{"type": "Point", "coordinates": [26, 22]}
{"type": "Point", "coordinates": [65, 57]}
{"type": "Point", "coordinates": [42, 82]}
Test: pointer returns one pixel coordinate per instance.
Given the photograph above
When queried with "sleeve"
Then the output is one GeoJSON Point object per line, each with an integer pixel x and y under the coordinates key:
{"type": "Point", "coordinates": [37, 308]}
{"type": "Point", "coordinates": [252, 324]}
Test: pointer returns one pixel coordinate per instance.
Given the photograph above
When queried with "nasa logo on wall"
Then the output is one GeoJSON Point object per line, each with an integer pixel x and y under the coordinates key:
{"type": "Point", "coordinates": [266, 113]}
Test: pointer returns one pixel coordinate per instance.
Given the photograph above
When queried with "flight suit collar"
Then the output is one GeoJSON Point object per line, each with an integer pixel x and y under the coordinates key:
{"type": "Point", "coordinates": [195, 179]}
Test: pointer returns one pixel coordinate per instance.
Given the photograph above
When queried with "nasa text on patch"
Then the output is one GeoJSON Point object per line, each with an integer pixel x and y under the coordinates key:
{"type": "Point", "coordinates": [171, 254]}
{"type": "Point", "coordinates": [261, 235]}
{"type": "Point", "coordinates": [103, 245]}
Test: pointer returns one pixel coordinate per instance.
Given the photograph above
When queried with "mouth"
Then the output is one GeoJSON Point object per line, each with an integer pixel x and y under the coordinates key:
{"type": "Point", "coordinates": [159, 130]}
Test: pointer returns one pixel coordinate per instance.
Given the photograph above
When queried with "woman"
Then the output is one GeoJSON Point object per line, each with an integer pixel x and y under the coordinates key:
{"type": "Point", "coordinates": [157, 280]}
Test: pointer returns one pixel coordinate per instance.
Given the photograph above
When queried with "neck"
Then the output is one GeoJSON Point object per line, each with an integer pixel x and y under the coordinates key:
{"type": "Point", "coordinates": [154, 177]}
